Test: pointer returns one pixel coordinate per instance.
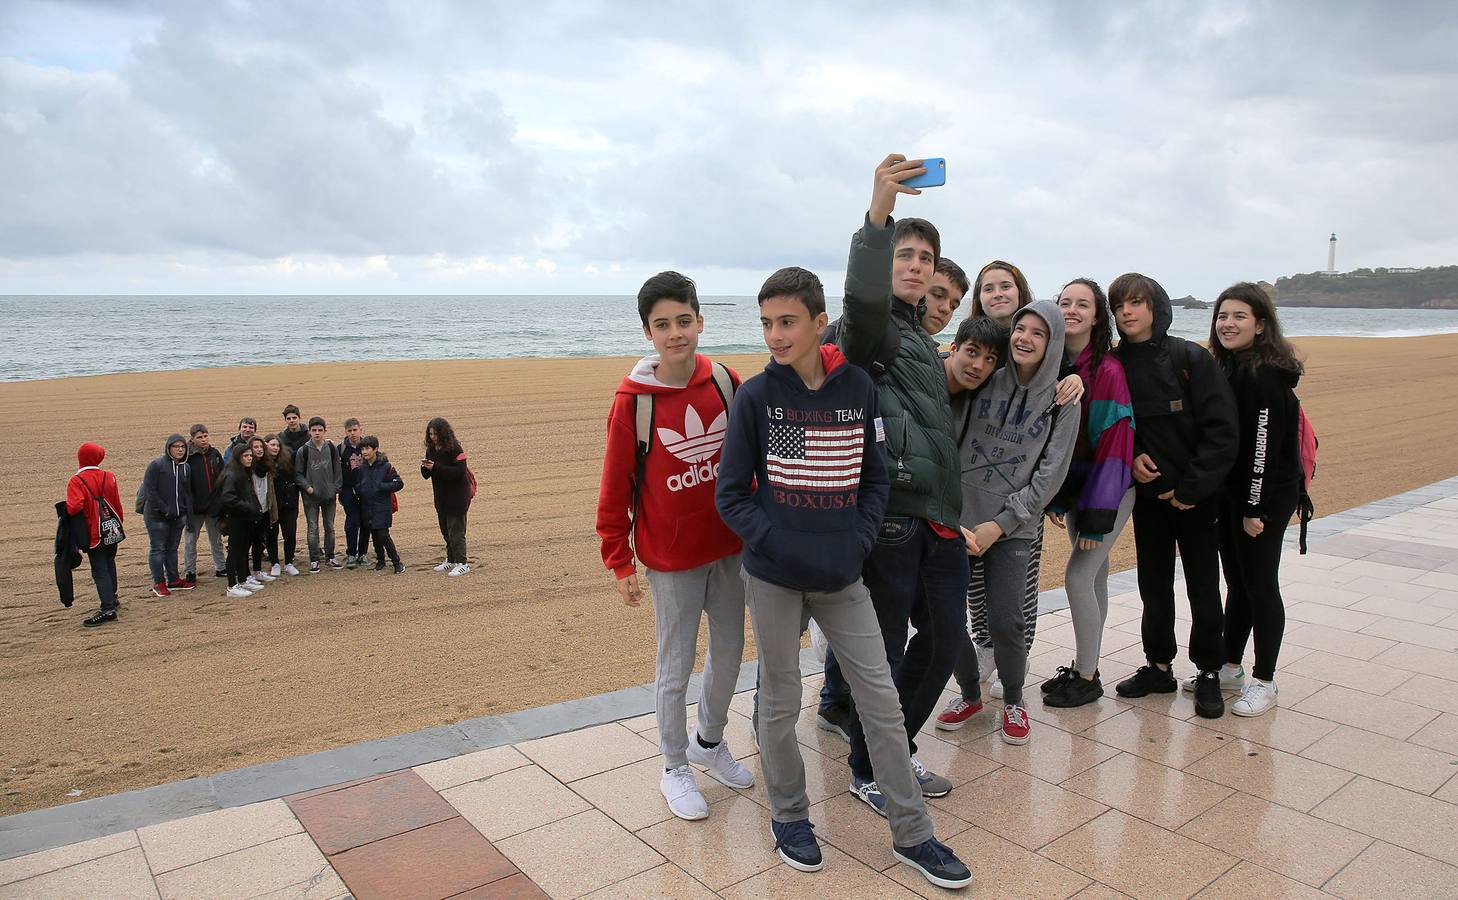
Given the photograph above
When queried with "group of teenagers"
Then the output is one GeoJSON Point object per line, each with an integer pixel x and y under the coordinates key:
{"type": "Point", "coordinates": [896, 495]}
{"type": "Point", "coordinates": [249, 495]}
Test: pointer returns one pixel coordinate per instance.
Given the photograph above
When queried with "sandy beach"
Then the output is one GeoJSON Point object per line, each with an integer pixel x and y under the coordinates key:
{"type": "Point", "coordinates": [199, 684]}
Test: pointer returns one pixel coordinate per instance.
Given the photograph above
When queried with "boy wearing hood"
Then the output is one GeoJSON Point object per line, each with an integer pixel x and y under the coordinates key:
{"type": "Point", "coordinates": [804, 485]}
{"type": "Point", "coordinates": [664, 435]}
{"type": "Point", "coordinates": [85, 492]}
{"type": "Point", "coordinates": [1184, 447]}
{"type": "Point", "coordinates": [1015, 444]}
{"type": "Point", "coordinates": [167, 503]}
{"type": "Point", "coordinates": [377, 481]}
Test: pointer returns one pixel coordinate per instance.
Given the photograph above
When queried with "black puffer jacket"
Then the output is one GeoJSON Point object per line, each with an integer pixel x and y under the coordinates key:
{"type": "Point", "coordinates": [374, 483]}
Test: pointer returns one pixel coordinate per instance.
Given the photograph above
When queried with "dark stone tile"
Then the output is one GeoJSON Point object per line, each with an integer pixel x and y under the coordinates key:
{"type": "Point", "coordinates": [439, 860]}
{"type": "Point", "coordinates": [512, 887]}
{"type": "Point", "coordinates": [379, 808]}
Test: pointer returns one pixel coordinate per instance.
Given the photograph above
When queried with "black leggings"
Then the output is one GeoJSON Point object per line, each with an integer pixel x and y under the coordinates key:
{"type": "Point", "coordinates": [241, 537]}
{"type": "Point", "coordinates": [288, 524]}
{"type": "Point", "coordinates": [384, 545]}
{"type": "Point", "coordinates": [1252, 585]}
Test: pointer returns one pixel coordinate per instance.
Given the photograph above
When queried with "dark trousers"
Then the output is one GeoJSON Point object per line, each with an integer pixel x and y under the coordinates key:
{"type": "Point", "coordinates": [1159, 529]}
{"type": "Point", "coordinates": [914, 575]}
{"type": "Point", "coordinates": [356, 532]}
{"type": "Point", "coordinates": [1253, 587]}
{"type": "Point", "coordinates": [241, 536]}
{"type": "Point", "coordinates": [103, 572]}
{"type": "Point", "coordinates": [453, 529]}
{"type": "Point", "coordinates": [288, 526]}
{"type": "Point", "coordinates": [384, 545]}
{"type": "Point", "coordinates": [164, 534]}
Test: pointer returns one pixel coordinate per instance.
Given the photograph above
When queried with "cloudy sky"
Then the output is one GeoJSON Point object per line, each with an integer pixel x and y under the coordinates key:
{"type": "Point", "coordinates": [493, 147]}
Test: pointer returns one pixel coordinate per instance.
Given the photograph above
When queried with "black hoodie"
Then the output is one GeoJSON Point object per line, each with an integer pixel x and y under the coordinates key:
{"type": "Point", "coordinates": [167, 486]}
{"type": "Point", "coordinates": [1266, 477]}
{"type": "Point", "coordinates": [819, 470]}
{"type": "Point", "coordinates": [205, 472]}
{"type": "Point", "coordinates": [1184, 413]}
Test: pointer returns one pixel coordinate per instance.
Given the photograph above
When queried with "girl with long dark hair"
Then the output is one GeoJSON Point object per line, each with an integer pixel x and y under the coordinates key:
{"type": "Point", "coordinates": [1097, 497]}
{"type": "Point", "coordinates": [444, 466]}
{"type": "Point", "coordinates": [262, 465]}
{"type": "Point", "coordinates": [245, 492]}
{"type": "Point", "coordinates": [1264, 485]}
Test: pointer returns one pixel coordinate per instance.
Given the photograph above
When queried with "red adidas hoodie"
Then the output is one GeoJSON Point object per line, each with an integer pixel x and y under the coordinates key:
{"type": "Point", "coordinates": [91, 482]}
{"type": "Point", "coordinates": [678, 527]}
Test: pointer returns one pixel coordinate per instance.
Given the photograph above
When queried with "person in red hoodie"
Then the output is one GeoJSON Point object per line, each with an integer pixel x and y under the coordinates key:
{"type": "Point", "coordinates": [664, 433]}
{"type": "Point", "coordinates": [88, 489]}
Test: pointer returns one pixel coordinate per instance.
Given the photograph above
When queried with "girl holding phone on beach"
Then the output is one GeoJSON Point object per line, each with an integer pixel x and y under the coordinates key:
{"type": "Point", "coordinates": [1263, 487]}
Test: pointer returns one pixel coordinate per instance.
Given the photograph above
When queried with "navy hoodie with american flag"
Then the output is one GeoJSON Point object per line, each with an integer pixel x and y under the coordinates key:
{"type": "Point", "coordinates": [803, 480]}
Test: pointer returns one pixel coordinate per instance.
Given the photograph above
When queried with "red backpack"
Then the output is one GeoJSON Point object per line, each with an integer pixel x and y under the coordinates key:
{"type": "Point", "coordinates": [470, 477]}
{"type": "Point", "coordinates": [1306, 439]}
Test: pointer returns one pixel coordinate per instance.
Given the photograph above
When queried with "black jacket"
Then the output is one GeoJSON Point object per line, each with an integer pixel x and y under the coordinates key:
{"type": "Point", "coordinates": [167, 486]}
{"type": "Point", "coordinates": [239, 500]}
{"type": "Point", "coordinates": [1266, 477]}
{"type": "Point", "coordinates": [71, 536]}
{"type": "Point", "coordinates": [374, 484]}
{"type": "Point", "coordinates": [1184, 413]}
{"type": "Point", "coordinates": [205, 474]}
{"type": "Point", "coordinates": [448, 482]}
{"type": "Point", "coordinates": [293, 440]}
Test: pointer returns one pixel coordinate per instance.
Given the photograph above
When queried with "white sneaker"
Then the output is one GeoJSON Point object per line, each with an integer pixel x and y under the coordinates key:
{"type": "Point", "coordinates": [722, 765]}
{"type": "Point", "coordinates": [291, 569]}
{"type": "Point", "coordinates": [237, 590]}
{"type": "Point", "coordinates": [682, 794]}
{"type": "Point", "coordinates": [263, 577]}
{"type": "Point", "coordinates": [994, 688]}
{"type": "Point", "coordinates": [1258, 697]}
{"type": "Point", "coordinates": [460, 569]}
{"type": "Point", "coordinates": [251, 584]}
{"type": "Point", "coordinates": [275, 571]}
{"type": "Point", "coordinates": [445, 567]}
{"type": "Point", "coordinates": [1232, 678]}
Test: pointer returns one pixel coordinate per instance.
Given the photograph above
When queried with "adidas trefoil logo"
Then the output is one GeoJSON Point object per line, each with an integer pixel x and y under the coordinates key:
{"type": "Point", "coordinates": [696, 445]}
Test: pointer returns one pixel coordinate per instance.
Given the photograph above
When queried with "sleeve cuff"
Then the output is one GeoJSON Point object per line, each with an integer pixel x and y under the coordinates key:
{"type": "Point", "coordinates": [877, 237]}
{"type": "Point", "coordinates": [1007, 522]}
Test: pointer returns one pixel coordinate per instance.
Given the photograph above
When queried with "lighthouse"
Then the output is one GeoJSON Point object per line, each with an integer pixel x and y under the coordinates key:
{"type": "Point", "coordinates": [1331, 255]}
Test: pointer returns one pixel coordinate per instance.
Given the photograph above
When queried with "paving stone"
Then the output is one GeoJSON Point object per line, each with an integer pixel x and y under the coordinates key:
{"type": "Point", "coordinates": [439, 860]}
{"type": "Point", "coordinates": [341, 820]}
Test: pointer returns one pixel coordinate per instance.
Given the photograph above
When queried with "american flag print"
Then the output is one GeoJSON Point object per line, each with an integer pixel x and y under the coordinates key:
{"type": "Point", "coordinates": [815, 457]}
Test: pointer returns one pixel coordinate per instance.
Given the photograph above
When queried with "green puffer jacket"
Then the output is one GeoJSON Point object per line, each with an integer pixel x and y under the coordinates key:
{"type": "Point", "coordinates": [921, 450]}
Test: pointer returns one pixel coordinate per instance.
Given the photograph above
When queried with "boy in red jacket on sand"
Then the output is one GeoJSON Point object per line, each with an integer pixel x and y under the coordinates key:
{"type": "Point", "coordinates": [84, 493]}
{"type": "Point", "coordinates": [663, 439]}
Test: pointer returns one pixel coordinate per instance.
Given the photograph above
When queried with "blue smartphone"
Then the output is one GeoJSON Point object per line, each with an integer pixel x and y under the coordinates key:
{"type": "Point", "coordinates": [936, 174]}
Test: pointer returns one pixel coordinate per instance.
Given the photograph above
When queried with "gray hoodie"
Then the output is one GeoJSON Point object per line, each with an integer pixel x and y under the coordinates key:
{"type": "Point", "coordinates": [1013, 441]}
{"type": "Point", "coordinates": [319, 468]}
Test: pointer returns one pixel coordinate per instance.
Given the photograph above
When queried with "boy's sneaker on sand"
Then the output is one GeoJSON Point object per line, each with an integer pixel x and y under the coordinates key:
{"type": "Point", "coordinates": [190, 576]}
{"type": "Point", "coordinates": [291, 569]}
{"type": "Point", "coordinates": [262, 577]}
{"type": "Point", "coordinates": [937, 862]}
{"type": "Point", "coordinates": [994, 688]}
{"type": "Point", "coordinates": [100, 617]}
{"type": "Point", "coordinates": [1064, 673]}
{"type": "Point", "coordinates": [682, 794]}
{"type": "Point", "coordinates": [160, 590]}
{"type": "Point", "coordinates": [932, 784]}
{"type": "Point", "coordinates": [220, 573]}
{"type": "Point", "coordinates": [795, 843]}
{"type": "Point", "coordinates": [1232, 678]}
{"type": "Point", "coordinates": [275, 570]}
{"type": "Point", "coordinates": [458, 570]}
{"type": "Point", "coordinates": [238, 590]}
{"type": "Point", "coordinates": [1209, 702]}
{"type": "Point", "coordinates": [399, 568]}
{"type": "Point", "coordinates": [868, 793]}
{"type": "Point", "coordinates": [380, 566]}
{"type": "Point", "coordinates": [834, 720]}
{"type": "Point", "coordinates": [334, 563]}
{"type": "Point", "coordinates": [313, 568]}
{"type": "Point", "coordinates": [957, 713]}
{"type": "Point", "coordinates": [722, 765]}
{"type": "Point", "coordinates": [351, 561]}
{"type": "Point", "coordinates": [181, 584]}
{"type": "Point", "coordinates": [1076, 691]}
{"type": "Point", "coordinates": [1148, 680]}
{"type": "Point", "coordinates": [1015, 726]}
{"type": "Point", "coordinates": [445, 567]}
{"type": "Point", "coordinates": [252, 584]}
{"type": "Point", "coordinates": [1258, 697]}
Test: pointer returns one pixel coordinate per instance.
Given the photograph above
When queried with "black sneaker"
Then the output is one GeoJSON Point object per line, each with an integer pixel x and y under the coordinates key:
{"type": "Point", "coordinates": [1076, 691]}
{"type": "Point", "coordinates": [220, 573]}
{"type": "Point", "coordinates": [1148, 680]}
{"type": "Point", "coordinates": [190, 576]}
{"type": "Point", "coordinates": [937, 862]}
{"type": "Point", "coordinates": [795, 843]}
{"type": "Point", "coordinates": [399, 568]}
{"type": "Point", "coordinates": [1064, 673]}
{"type": "Point", "coordinates": [100, 617]}
{"type": "Point", "coordinates": [1208, 701]}
{"type": "Point", "coordinates": [834, 719]}
{"type": "Point", "coordinates": [380, 566]}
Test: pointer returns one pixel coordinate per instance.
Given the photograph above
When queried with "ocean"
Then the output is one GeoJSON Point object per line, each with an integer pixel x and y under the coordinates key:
{"type": "Point", "coordinates": [60, 336]}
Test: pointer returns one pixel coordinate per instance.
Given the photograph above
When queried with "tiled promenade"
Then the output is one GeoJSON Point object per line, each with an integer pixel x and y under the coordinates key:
{"type": "Point", "coordinates": [1349, 789]}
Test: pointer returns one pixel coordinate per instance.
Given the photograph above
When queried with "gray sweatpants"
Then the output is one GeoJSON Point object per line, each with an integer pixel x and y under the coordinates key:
{"type": "Point", "coordinates": [850, 625]}
{"type": "Point", "coordinates": [1005, 569]}
{"type": "Point", "coordinates": [195, 526]}
{"type": "Point", "coordinates": [1086, 581]}
{"type": "Point", "coordinates": [679, 600]}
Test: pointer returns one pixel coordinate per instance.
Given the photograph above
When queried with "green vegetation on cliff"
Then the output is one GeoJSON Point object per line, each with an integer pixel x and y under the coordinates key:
{"type": "Point", "coordinates": [1435, 288]}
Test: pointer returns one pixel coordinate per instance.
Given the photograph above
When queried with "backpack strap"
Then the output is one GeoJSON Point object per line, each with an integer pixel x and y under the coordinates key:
{"type": "Point", "coordinates": [723, 383]}
{"type": "Point", "coordinates": [643, 423]}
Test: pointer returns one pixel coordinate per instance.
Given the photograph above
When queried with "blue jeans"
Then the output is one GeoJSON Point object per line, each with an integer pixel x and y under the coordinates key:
{"type": "Point", "coordinates": [164, 533]}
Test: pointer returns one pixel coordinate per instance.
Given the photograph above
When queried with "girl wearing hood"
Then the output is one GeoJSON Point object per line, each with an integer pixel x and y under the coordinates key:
{"type": "Point", "coordinates": [245, 496]}
{"type": "Point", "coordinates": [1097, 498]}
{"type": "Point", "coordinates": [1015, 447]}
{"type": "Point", "coordinates": [87, 490]}
{"type": "Point", "coordinates": [1263, 487]}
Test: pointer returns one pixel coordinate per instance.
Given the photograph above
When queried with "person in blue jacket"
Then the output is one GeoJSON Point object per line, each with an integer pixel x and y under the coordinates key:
{"type": "Point", "coordinates": [375, 482]}
{"type": "Point", "coordinates": [166, 506]}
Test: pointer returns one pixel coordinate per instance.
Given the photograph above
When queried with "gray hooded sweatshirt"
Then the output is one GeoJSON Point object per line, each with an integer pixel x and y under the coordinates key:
{"type": "Point", "coordinates": [1013, 441]}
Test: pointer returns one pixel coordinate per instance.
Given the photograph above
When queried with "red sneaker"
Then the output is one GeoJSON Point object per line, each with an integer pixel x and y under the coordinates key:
{"type": "Point", "coordinates": [182, 584]}
{"type": "Point", "coordinates": [160, 590]}
{"type": "Point", "coordinates": [1014, 725]}
{"type": "Point", "coordinates": [957, 713]}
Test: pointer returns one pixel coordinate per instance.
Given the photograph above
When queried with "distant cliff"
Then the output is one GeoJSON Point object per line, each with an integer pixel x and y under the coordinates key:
{"type": "Point", "coordinates": [1435, 288]}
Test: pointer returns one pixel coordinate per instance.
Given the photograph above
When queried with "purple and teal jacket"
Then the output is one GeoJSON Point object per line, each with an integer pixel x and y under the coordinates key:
{"type": "Point", "coordinates": [1101, 471]}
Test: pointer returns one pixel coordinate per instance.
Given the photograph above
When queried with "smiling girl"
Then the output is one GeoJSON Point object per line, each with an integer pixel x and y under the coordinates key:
{"type": "Point", "coordinates": [1264, 485]}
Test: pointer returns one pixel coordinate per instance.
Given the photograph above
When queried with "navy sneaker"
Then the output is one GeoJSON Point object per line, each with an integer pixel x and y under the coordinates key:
{"type": "Point", "coordinates": [835, 720]}
{"type": "Point", "coordinates": [868, 793]}
{"type": "Point", "coordinates": [795, 843]}
{"type": "Point", "coordinates": [937, 862]}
